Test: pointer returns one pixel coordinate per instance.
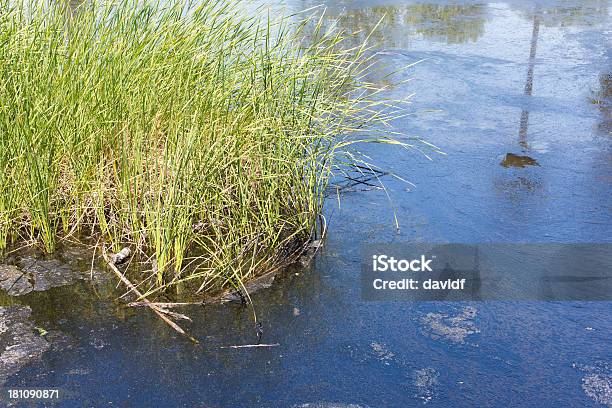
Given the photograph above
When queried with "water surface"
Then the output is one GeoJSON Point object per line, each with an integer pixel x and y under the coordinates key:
{"type": "Point", "coordinates": [518, 95]}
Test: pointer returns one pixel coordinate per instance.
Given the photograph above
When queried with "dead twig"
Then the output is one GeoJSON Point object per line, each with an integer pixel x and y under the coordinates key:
{"type": "Point", "coordinates": [174, 314]}
{"type": "Point", "coordinates": [250, 346]}
{"type": "Point", "coordinates": [159, 312]}
{"type": "Point", "coordinates": [164, 305]}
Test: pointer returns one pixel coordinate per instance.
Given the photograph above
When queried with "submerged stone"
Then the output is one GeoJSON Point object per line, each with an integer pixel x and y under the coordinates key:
{"type": "Point", "coordinates": [19, 341]}
{"type": "Point", "coordinates": [251, 286]}
{"type": "Point", "coordinates": [514, 160]}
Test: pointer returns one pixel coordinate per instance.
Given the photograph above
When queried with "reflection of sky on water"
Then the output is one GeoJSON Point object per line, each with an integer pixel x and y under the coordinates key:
{"type": "Point", "coordinates": [522, 87]}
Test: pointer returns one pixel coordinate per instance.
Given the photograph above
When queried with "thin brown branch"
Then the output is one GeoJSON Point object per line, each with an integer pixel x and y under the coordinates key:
{"type": "Point", "coordinates": [154, 308]}
{"type": "Point", "coordinates": [163, 305]}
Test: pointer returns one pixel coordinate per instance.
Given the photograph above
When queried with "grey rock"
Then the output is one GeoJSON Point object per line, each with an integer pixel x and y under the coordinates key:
{"type": "Point", "coordinates": [14, 281]}
{"type": "Point", "coordinates": [122, 256]}
{"type": "Point", "coordinates": [32, 274]}
{"type": "Point", "coordinates": [47, 274]}
{"type": "Point", "coordinates": [19, 342]}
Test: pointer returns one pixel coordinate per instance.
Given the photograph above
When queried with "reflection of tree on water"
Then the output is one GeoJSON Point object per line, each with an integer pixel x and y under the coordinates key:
{"type": "Point", "coordinates": [560, 14]}
{"type": "Point", "coordinates": [524, 183]}
{"type": "Point", "coordinates": [566, 13]}
{"type": "Point", "coordinates": [452, 24]}
{"type": "Point", "coordinates": [456, 24]}
{"type": "Point", "coordinates": [524, 123]}
{"type": "Point", "coordinates": [528, 182]}
{"type": "Point", "coordinates": [511, 159]}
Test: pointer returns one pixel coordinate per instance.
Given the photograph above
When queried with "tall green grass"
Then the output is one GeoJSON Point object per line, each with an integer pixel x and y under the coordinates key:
{"type": "Point", "coordinates": [199, 135]}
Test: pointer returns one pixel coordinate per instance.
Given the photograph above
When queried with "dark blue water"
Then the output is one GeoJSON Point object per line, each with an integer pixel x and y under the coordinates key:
{"type": "Point", "coordinates": [529, 79]}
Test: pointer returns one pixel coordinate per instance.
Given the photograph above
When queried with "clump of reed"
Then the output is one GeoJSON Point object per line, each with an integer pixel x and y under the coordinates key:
{"type": "Point", "coordinates": [197, 134]}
